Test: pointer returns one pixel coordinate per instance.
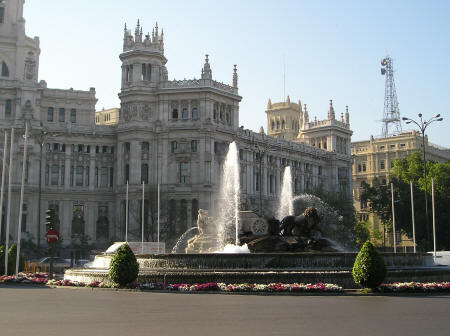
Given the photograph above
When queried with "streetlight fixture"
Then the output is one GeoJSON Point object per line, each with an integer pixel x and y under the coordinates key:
{"type": "Point", "coordinates": [41, 137]}
{"type": "Point", "coordinates": [422, 125]}
{"type": "Point", "coordinates": [261, 152]}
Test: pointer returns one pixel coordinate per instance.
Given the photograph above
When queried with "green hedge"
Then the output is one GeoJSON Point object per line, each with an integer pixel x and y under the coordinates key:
{"type": "Point", "coordinates": [124, 267]}
{"type": "Point", "coordinates": [369, 269]}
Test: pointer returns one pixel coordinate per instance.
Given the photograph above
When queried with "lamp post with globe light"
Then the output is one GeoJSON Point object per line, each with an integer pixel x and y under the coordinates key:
{"type": "Point", "coordinates": [422, 125]}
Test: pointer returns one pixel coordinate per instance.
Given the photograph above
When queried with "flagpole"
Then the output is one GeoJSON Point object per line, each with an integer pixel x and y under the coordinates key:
{"type": "Point", "coordinates": [412, 216]}
{"type": "Point", "coordinates": [5, 148]}
{"type": "Point", "coordinates": [126, 215]}
{"type": "Point", "coordinates": [393, 217]}
{"type": "Point", "coordinates": [142, 221]}
{"type": "Point", "coordinates": [19, 228]}
{"type": "Point", "coordinates": [434, 217]}
{"type": "Point", "coordinates": [8, 214]}
{"type": "Point", "coordinates": [158, 218]}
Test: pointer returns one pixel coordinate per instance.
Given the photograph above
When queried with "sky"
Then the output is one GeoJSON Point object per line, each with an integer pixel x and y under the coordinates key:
{"type": "Point", "coordinates": [316, 50]}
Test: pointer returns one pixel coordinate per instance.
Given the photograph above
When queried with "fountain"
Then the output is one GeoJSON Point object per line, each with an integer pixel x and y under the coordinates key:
{"type": "Point", "coordinates": [228, 218]}
{"type": "Point", "coordinates": [278, 248]}
{"type": "Point", "coordinates": [286, 203]}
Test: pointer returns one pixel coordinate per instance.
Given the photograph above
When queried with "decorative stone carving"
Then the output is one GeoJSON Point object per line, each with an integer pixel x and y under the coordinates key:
{"type": "Point", "coordinates": [30, 65]}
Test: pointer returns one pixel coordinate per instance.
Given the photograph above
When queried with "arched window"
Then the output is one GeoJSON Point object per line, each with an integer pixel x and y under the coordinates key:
{"type": "Point", "coordinates": [278, 125]}
{"type": "Point", "coordinates": [175, 113]}
{"type": "Point", "coordinates": [5, 70]}
{"type": "Point", "coordinates": [283, 124]}
{"type": "Point", "coordinates": [195, 113]}
{"type": "Point", "coordinates": [184, 113]}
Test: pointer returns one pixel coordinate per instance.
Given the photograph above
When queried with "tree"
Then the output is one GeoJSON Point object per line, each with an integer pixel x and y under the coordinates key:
{"type": "Point", "coordinates": [369, 269]}
{"type": "Point", "coordinates": [124, 267]}
{"type": "Point", "coordinates": [410, 169]}
{"type": "Point", "coordinates": [361, 233]}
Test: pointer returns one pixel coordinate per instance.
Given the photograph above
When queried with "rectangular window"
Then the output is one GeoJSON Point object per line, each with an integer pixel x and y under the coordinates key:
{"type": "Point", "coordinates": [50, 114]}
{"type": "Point", "coordinates": [194, 146]}
{"type": "Point", "coordinates": [47, 171]}
{"type": "Point", "coordinates": [79, 176]}
{"type": "Point", "coordinates": [2, 14]}
{"type": "Point", "coordinates": [73, 115]}
{"type": "Point", "coordinates": [96, 177]}
{"type": "Point", "coordinates": [382, 165]}
{"type": "Point", "coordinates": [184, 172]}
{"type": "Point", "coordinates": [62, 115]}
{"type": "Point", "coordinates": [54, 175]}
{"type": "Point", "coordinates": [80, 148]}
{"type": "Point", "coordinates": [271, 184]}
{"type": "Point", "coordinates": [8, 108]}
{"type": "Point", "coordinates": [127, 173]}
{"type": "Point", "coordinates": [173, 146]}
{"type": "Point", "coordinates": [320, 170]}
{"type": "Point", "coordinates": [111, 176]}
{"type": "Point", "coordinates": [56, 147]}
{"type": "Point", "coordinates": [71, 175]}
{"type": "Point", "coordinates": [104, 177]}
{"type": "Point", "coordinates": [144, 173]}
{"type": "Point", "coordinates": [144, 72]}
{"type": "Point", "coordinates": [87, 176]}
{"type": "Point", "coordinates": [149, 72]}
{"type": "Point", "coordinates": [63, 148]}
{"type": "Point", "coordinates": [63, 174]}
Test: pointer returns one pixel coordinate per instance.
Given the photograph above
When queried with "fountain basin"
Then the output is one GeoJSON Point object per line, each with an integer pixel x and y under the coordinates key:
{"type": "Point", "coordinates": [264, 268]}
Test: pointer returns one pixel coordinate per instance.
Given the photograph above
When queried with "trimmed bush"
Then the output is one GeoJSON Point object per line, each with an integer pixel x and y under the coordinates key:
{"type": "Point", "coordinates": [369, 269]}
{"type": "Point", "coordinates": [124, 267]}
{"type": "Point", "coordinates": [12, 253]}
{"type": "Point", "coordinates": [2, 260]}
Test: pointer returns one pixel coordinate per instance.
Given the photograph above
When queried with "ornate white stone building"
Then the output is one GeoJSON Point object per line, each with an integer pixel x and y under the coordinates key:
{"type": "Point", "coordinates": [172, 133]}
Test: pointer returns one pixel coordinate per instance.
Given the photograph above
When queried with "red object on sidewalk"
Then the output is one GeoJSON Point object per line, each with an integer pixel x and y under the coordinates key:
{"type": "Point", "coordinates": [52, 236]}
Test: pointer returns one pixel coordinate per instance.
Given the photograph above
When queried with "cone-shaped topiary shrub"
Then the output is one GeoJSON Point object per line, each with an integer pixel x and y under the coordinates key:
{"type": "Point", "coordinates": [12, 254]}
{"type": "Point", "coordinates": [124, 267]}
{"type": "Point", "coordinates": [369, 269]}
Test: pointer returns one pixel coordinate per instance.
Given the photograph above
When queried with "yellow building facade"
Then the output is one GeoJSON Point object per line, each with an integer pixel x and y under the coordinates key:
{"type": "Point", "coordinates": [107, 117]}
{"type": "Point", "coordinates": [373, 160]}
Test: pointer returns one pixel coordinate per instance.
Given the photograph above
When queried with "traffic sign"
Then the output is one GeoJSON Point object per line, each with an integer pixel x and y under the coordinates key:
{"type": "Point", "coordinates": [52, 236]}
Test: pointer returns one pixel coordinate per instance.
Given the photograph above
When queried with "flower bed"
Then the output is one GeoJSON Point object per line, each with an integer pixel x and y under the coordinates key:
{"type": "Point", "coordinates": [26, 278]}
{"type": "Point", "coordinates": [416, 287]}
{"type": "Point", "coordinates": [245, 287]}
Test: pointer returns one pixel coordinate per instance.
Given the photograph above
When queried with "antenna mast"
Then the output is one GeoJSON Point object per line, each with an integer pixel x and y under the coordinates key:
{"type": "Point", "coordinates": [391, 114]}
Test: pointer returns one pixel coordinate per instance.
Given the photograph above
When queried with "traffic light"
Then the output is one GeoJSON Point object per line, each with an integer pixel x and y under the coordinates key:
{"type": "Point", "coordinates": [50, 219]}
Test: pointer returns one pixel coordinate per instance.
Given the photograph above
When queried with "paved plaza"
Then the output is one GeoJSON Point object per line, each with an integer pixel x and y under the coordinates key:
{"type": "Point", "coordinates": [75, 311]}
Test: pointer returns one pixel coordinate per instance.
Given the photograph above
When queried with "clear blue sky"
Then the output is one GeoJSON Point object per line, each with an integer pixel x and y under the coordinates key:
{"type": "Point", "coordinates": [332, 50]}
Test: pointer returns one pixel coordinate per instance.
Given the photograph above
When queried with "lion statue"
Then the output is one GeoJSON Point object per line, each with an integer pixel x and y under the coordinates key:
{"type": "Point", "coordinates": [305, 225]}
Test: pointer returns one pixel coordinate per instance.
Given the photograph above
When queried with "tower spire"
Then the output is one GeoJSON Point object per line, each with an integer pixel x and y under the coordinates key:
{"type": "Point", "coordinates": [331, 114]}
{"type": "Point", "coordinates": [347, 116]}
{"type": "Point", "coordinates": [206, 71]}
{"type": "Point", "coordinates": [391, 114]}
{"type": "Point", "coordinates": [235, 77]}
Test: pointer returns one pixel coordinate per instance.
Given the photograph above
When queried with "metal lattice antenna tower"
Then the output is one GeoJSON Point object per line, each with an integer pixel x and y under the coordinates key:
{"type": "Point", "coordinates": [391, 114]}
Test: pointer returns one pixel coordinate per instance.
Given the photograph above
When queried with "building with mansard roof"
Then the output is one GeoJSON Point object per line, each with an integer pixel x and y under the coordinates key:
{"type": "Point", "coordinates": [169, 132]}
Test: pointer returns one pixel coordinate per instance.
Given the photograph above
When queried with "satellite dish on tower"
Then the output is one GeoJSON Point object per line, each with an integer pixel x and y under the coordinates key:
{"type": "Point", "coordinates": [383, 62]}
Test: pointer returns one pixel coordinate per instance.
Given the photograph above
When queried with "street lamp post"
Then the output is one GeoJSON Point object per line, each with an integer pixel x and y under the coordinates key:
{"type": "Point", "coordinates": [422, 125]}
{"type": "Point", "coordinates": [260, 153]}
{"type": "Point", "coordinates": [41, 138]}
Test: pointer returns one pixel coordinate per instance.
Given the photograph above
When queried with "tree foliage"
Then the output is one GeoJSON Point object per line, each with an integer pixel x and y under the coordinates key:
{"type": "Point", "coordinates": [410, 169]}
{"type": "Point", "coordinates": [369, 269]}
{"type": "Point", "coordinates": [124, 267]}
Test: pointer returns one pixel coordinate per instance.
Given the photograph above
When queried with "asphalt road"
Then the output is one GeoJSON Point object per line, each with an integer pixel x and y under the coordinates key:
{"type": "Point", "coordinates": [68, 311]}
